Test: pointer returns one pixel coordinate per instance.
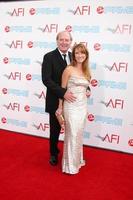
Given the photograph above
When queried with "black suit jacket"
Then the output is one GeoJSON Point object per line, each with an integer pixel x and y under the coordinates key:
{"type": "Point", "coordinates": [52, 69]}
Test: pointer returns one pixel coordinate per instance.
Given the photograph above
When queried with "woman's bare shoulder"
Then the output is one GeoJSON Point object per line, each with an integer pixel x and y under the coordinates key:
{"type": "Point", "coordinates": [68, 69]}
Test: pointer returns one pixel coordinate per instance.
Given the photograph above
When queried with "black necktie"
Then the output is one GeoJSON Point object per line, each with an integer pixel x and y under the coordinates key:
{"type": "Point", "coordinates": [64, 58]}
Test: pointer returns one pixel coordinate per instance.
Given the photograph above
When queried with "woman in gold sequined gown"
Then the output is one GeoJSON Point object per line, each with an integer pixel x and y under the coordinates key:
{"type": "Point", "coordinates": [75, 78]}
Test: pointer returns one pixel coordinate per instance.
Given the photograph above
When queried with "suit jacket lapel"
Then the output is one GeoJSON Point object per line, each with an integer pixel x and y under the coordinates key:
{"type": "Point", "coordinates": [59, 58]}
{"type": "Point", "coordinates": [70, 55]}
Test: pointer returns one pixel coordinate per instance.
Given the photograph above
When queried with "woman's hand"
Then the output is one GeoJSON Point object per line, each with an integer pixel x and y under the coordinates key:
{"type": "Point", "coordinates": [59, 111]}
{"type": "Point", "coordinates": [60, 117]}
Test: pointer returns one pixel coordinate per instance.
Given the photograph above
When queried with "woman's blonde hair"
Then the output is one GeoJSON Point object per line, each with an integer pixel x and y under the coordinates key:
{"type": "Point", "coordinates": [85, 64]}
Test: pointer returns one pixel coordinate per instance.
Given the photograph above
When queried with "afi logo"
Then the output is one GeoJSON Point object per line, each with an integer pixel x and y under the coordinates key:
{"type": "Point", "coordinates": [85, 43]}
{"type": "Point", "coordinates": [13, 106]}
{"type": "Point", "coordinates": [51, 28]}
{"type": "Point", "coordinates": [112, 138]}
{"type": "Point", "coordinates": [15, 76]}
{"type": "Point", "coordinates": [124, 28]}
{"type": "Point", "coordinates": [43, 127]}
{"type": "Point", "coordinates": [42, 95]}
{"type": "Point", "coordinates": [117, 103]}
{"type": "Point", "coordinates": [18, 12]}
{"type": "Point", "coordinates": [17, 44]}
{"type": "Point", "coordinates": [119, 66]}
{"type": "Point", "coordinates": [83, 10]}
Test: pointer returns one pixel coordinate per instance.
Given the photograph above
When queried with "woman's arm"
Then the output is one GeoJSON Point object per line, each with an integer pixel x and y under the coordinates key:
{"type": "Point", "coordinates": [64, 81]}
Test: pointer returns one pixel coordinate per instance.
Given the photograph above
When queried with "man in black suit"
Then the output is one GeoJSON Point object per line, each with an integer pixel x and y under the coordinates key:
{"type": "Point", "coordinates": [52, 68]}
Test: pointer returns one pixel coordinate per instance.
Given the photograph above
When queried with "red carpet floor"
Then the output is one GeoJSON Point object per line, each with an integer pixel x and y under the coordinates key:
{"type": "Point", "coordinates": [25, 173]}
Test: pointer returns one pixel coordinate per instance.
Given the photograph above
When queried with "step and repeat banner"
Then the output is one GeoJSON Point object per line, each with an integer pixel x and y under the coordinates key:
{"type": "Point", "coordinates": [28, 30]}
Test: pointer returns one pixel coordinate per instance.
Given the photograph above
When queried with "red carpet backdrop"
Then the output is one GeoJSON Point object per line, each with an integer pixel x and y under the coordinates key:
{"type": "Point", "coordinates": [28, 30]}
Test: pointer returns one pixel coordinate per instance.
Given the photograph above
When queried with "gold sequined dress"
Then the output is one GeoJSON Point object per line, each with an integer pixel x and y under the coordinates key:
{"type": "Point", "coordinates": [75, 115]}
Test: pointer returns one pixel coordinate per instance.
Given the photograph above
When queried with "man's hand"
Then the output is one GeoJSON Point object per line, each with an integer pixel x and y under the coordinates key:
{"type": "Point", "coordinates": [69, 96]}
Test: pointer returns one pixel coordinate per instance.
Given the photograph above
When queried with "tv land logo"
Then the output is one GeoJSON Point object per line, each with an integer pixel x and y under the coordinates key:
{"type": "Point", "coordinates": [90, 101]}
{"type": "Point", "coordinates": [93, 65]}
{"type": "Point", "coordinates": [114, 10]}
{"type": "Point", "coordinates": [105, 120]}
{"type": "Point", "coordinates": [83, 29]}
{"type": "Point", "coordinates": [114, 103]}
{"type": "Point", "coordinates": [91, 117]}
{"type": "Point", "coordinates": [86, 135]}
{"type": "Point", "coordinates": [18, 29]}
{"type": "Point", "coordinates": [33, 77]}
{"type": "Point", "coordinates": [40, 44]}
{"type": "Point", "coordinates": [112, 84]}
{"type": "Point", "coordinates": [130, 142]}
{"type": "Point", "coordinates": [46, 11]}
{"type": "Point", "coordinates": [15, 122]}
{"type": "Point", "coordinates": [125, 48]}
{"type": "Point", "coordinates": [80, 10]}
{"type": "Point", "coordinates": [17, 61]}
{"type": "Point", "coordinates": [94, 82]}
{"type": "Point", "coordinates": [15, 92]}
{"type": "Point", "coordinates": [69, 28]}
{"type": "Point", "coordinates": [100, 9]}
{"type": "Point", "coordinates": [36, 109]}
